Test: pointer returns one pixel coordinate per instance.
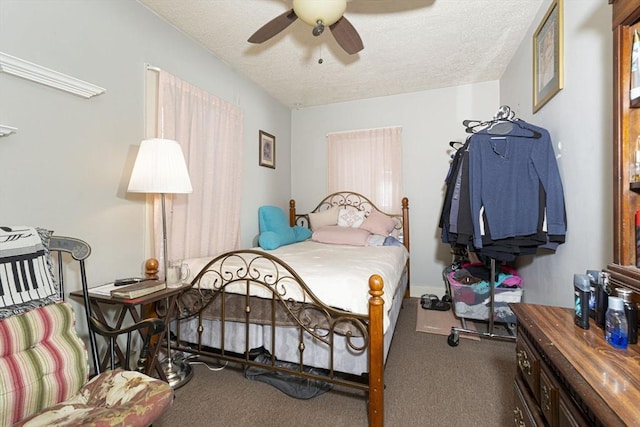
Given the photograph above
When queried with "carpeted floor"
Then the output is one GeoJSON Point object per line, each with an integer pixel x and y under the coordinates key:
{"type": "Point", "coordinates": [440, 322]}
{"type": "Point", "coordinates": [427, 383]}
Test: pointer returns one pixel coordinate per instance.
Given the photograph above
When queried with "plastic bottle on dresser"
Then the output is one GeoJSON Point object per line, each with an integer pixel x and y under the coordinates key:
{"type": "Point", "coordinates": [602, 298]}
{"type": "Point", "coordinates": [616, 324]}
{"type": "Point", "coordinates": [581, 300]}
{"type": "Point", "coordinates": [631, 312]}
{"type": "Point", "coordinates": [594, 277]}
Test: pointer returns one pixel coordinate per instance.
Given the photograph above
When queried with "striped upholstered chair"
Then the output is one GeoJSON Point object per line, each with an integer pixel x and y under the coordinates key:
{"type": "Point", "coordinates": [44, 364]}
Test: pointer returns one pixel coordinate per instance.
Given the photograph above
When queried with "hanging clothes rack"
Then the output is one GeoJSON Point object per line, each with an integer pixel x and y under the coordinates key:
{"type": "Point", "coordinates": [506, 142]}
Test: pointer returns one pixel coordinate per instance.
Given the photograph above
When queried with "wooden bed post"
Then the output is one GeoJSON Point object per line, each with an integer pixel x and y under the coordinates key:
{"type": "Point", "coordinates": [292, 213]}
{"type": "Point", "coordinates": [406, 242]}
{"type": "Point", "coordinates": [405, 222]}
{"type": "Point", "coordinates": [376, 352]}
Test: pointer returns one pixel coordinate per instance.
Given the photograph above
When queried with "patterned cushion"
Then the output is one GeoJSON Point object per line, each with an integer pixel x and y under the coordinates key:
{"type": "Point", "coordinates": [122, 398]}
{"type": "Point", "coordinates": [43, 374]}
{"type": "Point", "coordinates": [42, 361]}
{"type": "Point", "coordinates": [350, 217]}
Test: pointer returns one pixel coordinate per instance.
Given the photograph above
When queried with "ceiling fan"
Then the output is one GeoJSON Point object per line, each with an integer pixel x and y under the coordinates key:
{"type": "Point", "coordinates": [318, 14]}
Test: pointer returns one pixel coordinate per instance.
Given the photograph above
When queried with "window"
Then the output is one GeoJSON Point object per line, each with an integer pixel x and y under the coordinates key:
{"type": "Point", "coordinates": [210, 132]}
{"type": "Point", "coordinates": [368, 162]}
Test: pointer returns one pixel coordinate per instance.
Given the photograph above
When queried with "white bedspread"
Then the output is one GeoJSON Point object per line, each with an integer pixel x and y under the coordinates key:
{"type": "Point", "coordinates": [337, 274]}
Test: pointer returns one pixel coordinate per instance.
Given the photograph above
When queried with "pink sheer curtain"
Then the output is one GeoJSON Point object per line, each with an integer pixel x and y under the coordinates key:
{"type": "Point", "coordinates": [368, 162]}
{"type": "Point", "coordinates": [210, 132]}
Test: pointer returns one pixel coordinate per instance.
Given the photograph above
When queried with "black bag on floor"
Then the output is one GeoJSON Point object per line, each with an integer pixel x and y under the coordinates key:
{"type": "Point", "coordinates": [300, 388]}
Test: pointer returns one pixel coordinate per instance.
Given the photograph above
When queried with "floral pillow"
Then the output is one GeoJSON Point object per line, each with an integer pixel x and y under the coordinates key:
{"type": "Point", "coordinates": [349, 217]}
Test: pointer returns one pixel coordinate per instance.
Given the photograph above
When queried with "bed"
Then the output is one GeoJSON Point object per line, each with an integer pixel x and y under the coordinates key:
{"type": "Point", "coordinates": [326, 308]}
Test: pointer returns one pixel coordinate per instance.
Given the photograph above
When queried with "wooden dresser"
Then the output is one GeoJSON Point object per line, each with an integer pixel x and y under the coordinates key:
{"type": "Point", "coordinates": [568, 376]}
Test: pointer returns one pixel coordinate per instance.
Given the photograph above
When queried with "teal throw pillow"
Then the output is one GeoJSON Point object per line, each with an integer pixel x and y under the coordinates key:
{"type": "Point", "coordinates": [275, 230]}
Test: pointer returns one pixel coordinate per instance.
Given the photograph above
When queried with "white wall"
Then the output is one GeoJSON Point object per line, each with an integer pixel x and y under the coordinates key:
{"type": "Point", "coordinates": [579, 119]}
{"type": "Point", "coordinates": [429, 120]}
{"type": "Point", "coordinates": [67, 167]}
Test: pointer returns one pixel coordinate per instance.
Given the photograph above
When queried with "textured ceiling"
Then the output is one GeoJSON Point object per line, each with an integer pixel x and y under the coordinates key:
{"type": "Point", "coordinates": [409, 45]}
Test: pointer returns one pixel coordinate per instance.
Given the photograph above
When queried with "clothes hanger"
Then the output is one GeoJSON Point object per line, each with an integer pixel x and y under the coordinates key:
{"type": "Point", "coordinates": [503, 113]}
{"type": "Point", "coordinates": [496, 126]}
{"type": "Point", "coordinates": [456, 145]}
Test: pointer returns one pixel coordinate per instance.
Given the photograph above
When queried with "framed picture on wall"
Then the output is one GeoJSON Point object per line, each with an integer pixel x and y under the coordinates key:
{"type": "Point", "coordinates": [267, 147]}
{"type": "Point", "coordinates": [547, 56]}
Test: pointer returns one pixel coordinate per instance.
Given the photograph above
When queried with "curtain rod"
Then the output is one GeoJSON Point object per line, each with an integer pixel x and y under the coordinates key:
{"type": "Point", "coordinates": [362, 130]}
{"type": "Point", "coordinates": [152, 68]}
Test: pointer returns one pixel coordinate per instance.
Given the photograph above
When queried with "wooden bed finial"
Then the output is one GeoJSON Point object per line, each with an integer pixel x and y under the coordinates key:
{"type": "Point", "coordinates": [375, 285]}
{"type": "Point", "coordinates": [292, 212]}
{"type": "Point", "coordinates": [151, 268]}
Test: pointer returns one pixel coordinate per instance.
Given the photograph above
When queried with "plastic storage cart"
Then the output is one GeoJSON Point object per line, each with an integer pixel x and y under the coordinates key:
{"type": "Point", "coordinates": [482, 301]}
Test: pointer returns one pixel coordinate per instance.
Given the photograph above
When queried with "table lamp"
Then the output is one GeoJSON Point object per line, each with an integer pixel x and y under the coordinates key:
{"type": "Point", "coordinates": [160, 168]}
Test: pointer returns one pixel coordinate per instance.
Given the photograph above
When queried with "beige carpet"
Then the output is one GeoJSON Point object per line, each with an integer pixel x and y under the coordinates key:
{"type": "Point", "coordinates": [440, 322]}
{"type": "Point", "coordinates": [427, 383]}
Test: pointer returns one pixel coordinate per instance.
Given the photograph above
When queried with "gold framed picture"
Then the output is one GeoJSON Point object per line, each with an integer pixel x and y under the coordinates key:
{"type": "Point", "coordinates": [267, 150]}
{"type": "Point", "coordinates": [547, 56]}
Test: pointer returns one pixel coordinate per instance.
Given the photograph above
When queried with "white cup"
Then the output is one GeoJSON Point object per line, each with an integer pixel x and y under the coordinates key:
{"type": "Point", "coordinates": [177, 272]}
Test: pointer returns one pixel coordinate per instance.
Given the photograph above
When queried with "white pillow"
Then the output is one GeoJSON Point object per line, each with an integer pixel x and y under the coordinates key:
{"type": "Point", "coordinates": [350, 217]}
{"type": "Point", "coordinates": [323, 218]}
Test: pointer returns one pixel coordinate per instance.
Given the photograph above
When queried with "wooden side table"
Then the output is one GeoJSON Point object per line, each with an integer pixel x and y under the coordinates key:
{"type": "Point", "coordinates": [133, 307]}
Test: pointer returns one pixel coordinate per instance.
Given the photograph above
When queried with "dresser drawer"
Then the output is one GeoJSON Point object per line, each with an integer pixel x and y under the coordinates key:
{"type": "Point", "coordinates": [557, 407]}
{"type": "Point", "coordinates": [548, 398]}
{"type": "Point", "coordinates": [568, 414]}
{"type": "Point", "coordinates": [528, 365]}
{"type": "Point", "coordinates": [526, 412]}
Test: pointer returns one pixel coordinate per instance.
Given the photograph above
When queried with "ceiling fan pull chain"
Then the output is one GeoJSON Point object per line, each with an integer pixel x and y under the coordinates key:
{"type": "Point", "coordinates": [319, 28]}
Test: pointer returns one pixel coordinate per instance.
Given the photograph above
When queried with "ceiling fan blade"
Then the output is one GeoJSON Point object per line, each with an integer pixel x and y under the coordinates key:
{"type": "Point", "coordinates": [273, 27]}
{"type": "Point", "coordinates": [347, 36]}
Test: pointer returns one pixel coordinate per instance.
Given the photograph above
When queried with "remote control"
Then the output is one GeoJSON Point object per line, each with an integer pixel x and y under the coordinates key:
{"type": "Point", "coordinates": [128, 281]}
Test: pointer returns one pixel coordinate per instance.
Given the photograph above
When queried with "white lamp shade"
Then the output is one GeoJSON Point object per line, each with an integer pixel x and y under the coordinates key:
{"type": "Point", "coordinates": [327, 11]}
{"type": "Point", "coordinates": [160, 168]}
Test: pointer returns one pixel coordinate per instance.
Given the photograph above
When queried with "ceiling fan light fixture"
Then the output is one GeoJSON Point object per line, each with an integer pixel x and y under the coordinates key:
{"type": "Point", "coordinates": [312, 11]}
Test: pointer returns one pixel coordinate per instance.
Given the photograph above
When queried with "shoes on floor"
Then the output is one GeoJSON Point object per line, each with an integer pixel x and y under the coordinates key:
{"type": "Point", "coordinates": [432, 302]}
